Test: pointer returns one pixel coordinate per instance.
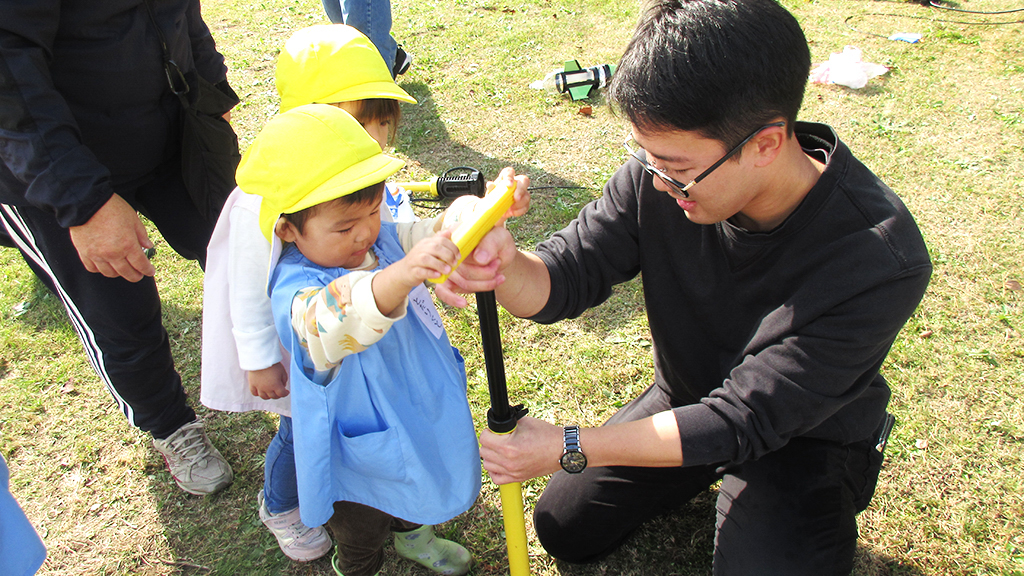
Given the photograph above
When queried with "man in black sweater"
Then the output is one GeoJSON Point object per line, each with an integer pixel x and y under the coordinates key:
{"type": "Point", "coordinates": [90, 136]}
{"type": "Point", "coordinates": [777, 272]}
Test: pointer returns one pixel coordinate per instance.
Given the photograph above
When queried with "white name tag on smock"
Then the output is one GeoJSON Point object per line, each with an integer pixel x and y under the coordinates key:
{"type": "Point", "coordinates": [423, 304]}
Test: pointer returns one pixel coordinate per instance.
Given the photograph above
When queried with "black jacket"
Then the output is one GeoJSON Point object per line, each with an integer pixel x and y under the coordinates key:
{"type": "Point", "coordinates": [758, 337]}
{"type": "Point", "coordinates": [84, 100]}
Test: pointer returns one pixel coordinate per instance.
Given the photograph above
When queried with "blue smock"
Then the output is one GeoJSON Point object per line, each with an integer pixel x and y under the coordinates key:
{"type": "Point", "coordinates": [21, 550]}
{"type": "Point", "coordinates": [392, 429]}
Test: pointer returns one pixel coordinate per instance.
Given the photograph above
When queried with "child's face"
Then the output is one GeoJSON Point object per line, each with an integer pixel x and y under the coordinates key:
{"type": "Point", "coordinates": [378, 129]}
{"type": "Point", "coordinates": [337, 235]}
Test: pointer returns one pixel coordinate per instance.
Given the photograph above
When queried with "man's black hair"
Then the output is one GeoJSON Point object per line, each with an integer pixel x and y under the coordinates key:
{"type": "Point", "coordinates": [721, 68]}
{"type": "Point", "coordinates": [371, 193]}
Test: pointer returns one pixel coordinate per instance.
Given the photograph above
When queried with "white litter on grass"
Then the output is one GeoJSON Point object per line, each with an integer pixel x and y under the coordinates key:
{"type": "Point", "coordinates": [847, 69]}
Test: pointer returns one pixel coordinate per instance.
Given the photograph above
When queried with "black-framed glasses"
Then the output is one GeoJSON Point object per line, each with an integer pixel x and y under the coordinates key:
{"type": "Point", "coordinates": [676, 187]}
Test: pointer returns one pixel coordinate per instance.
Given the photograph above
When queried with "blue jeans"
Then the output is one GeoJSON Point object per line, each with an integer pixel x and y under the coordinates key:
{"type": "Point", "coordinates": [371, 17]}
{"type": "Point", "coordinates": [280, 489]}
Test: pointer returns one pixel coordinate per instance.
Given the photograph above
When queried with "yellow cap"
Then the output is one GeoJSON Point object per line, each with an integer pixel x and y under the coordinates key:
{"type": "Point", "coordinates": [331, 63]}
{"type": "Point", "coordinates": [307, 156]}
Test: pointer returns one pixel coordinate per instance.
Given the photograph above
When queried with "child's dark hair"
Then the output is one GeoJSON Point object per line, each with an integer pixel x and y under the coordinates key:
{"type": "Point", "coordinates": [370, 194]}
{"type": "Point", "coordinates": [382, 109]}
{"type": "Point", "coordinates": [721, 68]}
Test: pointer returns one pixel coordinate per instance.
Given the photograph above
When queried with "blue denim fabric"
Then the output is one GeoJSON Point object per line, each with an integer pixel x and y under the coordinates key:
{"type": "Point", "coordinates": [371, 17]}
{"type": "Point", "coordinates": [280, 491]}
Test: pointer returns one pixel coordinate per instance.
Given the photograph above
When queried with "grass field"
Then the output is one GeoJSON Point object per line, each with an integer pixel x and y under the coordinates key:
{"type": "Point", "coordinates": [945, 128]}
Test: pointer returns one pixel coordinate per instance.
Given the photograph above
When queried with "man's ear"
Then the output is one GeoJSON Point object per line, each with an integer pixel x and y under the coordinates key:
{"type": "Point", "coordinates": [285, 230]}
{"type": "Point", "coordinates": [768, 144]}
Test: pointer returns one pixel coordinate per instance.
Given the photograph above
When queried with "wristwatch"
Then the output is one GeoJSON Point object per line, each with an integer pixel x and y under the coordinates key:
{"type": "Point", "coordinates": [573, 461]}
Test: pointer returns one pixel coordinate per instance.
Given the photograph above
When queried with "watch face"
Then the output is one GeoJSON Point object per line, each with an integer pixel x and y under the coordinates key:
{"type": "Point", "coordinates": [574, 462]}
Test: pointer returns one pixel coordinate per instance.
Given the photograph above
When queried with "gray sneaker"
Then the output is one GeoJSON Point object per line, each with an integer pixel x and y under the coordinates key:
{"type": "Point", "coordinates": [195, 464]}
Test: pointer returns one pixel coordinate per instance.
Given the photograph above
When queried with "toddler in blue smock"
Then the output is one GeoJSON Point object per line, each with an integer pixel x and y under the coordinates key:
{"type": "Point", "coordinates": [383, 437]}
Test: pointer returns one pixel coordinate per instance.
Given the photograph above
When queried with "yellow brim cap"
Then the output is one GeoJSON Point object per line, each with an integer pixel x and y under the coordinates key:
{"type": "Point", "coordinates": [307, 156]}
{"type": "Point", "coordinates": [331, 63]}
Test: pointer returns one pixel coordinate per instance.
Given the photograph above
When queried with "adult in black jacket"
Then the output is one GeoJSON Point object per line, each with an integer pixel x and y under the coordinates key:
{"type": "Point", "coordinates": [777, 272]}
{"type": "Point", "coordinates": [90, 137]}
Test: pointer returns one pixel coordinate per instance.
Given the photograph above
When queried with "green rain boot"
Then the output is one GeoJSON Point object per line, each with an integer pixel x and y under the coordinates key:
{"type": "Point", "coordinates": [441, 556]}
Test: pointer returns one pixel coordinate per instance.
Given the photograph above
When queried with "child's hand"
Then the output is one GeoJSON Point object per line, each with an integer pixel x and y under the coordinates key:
{"type": "Point", "coordinates": [432, 257]}
{"type": "Point", "coordinates": [269, 383]}
{"type": "Point", "coordinates": [482, 270]}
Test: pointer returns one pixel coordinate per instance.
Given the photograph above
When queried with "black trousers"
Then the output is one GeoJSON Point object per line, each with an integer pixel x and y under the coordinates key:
{"type": "Point", "coordinates": [360, 532]}
{"type": "Point", "coordinates": [119, 322]}
{"type": "Point", "coordinates": [790, 513]}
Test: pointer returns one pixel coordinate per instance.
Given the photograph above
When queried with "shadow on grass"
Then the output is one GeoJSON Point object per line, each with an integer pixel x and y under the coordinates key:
{"type": "Point", "coordinates": [425, 139]}
{"type": "Point", "coordinates": [869, 563]}
{"type": "Point", "coordinates": [679, 543]}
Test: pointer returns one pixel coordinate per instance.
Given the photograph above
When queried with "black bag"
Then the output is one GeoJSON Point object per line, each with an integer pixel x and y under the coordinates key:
{"type": "Point", "coordinates": [209, 146]}
{"type": "Point", "coordinates": [209, 149]}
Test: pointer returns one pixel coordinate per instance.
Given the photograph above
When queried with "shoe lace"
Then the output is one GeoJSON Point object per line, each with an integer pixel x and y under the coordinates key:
{"type": "Point", "coordinates": [188, 445]}
{"type": "Point", "coordinates": [295, 531]}
{"type": "Point", "coordinates": [301, 533]}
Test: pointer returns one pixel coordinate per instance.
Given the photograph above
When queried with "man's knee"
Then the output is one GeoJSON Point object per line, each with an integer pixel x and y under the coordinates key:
{"type": "Point", "coordinates": [791, 512]}
{"type": "Point", "coordinates": [566, 542]}
{"type": "Point", "coordinates": [571, 526]}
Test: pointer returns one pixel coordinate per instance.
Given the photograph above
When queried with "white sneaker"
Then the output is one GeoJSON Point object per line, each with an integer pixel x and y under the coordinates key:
{"type": "Point", "coordinates": [195, 464]}
{"type": "Point", "coordinates": [298, 541]}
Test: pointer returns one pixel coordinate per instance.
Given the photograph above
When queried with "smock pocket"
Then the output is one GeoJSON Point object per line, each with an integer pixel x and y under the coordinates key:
{"type": "Point", "coordinates": [374, 454]}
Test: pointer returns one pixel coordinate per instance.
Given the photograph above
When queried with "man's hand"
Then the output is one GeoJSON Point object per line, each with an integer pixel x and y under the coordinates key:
{"type": "Point", "coordinates": [481, 270]}
{"type": "Point", "coordinates": [112, 242]}
{"type": "Point", "coordinates": [520, 198]}
{"type": "Point", "coordinates": [533, 449]}
{"type": "Point", "coordinates": [269, 383]}
{"type": "Point", "coordinates": [462, 208]}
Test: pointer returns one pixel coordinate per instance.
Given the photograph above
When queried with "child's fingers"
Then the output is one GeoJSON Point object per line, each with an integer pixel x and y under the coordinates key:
{"type": "Point", "coordinates": [434, 263]}
{"type": "Point", "coordinates": [442, 247]}
{"type": "Point", "coordinates": [422, 273]}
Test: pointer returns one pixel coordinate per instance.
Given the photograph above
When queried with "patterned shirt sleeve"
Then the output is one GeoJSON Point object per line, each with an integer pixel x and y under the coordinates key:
{"type": "Point", "coordinates": [340, 319]}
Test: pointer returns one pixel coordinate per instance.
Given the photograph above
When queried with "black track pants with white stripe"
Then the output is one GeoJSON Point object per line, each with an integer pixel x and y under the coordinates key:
{"type": "Point", "coordinates": [119, 322]}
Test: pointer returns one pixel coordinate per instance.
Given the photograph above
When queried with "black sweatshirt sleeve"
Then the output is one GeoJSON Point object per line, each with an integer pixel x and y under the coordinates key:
{"type": "Point", "coordinates": [598, 249]}
{"type": "Point", "coordinates": [40, 143]}
{"type": "Point", "coordinates": [208, 61]}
